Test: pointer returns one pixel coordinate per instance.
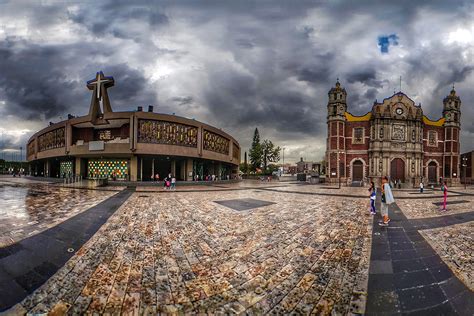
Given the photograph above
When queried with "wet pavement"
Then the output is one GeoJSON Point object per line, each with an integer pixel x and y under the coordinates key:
{"type": "Point", "coordinates": [28, 208]}
{"type": "Point", "coordinates": [247, 247]}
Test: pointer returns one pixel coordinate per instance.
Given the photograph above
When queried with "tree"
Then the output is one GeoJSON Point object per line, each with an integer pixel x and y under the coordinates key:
{"type": "Point", "coordinates": [270, 153]}
{"type": "Point", "coordinates": [255, 153]}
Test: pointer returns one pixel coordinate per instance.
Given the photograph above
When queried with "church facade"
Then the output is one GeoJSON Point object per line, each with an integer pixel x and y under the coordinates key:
{"type": "Point", "coordinates": [394, 139]}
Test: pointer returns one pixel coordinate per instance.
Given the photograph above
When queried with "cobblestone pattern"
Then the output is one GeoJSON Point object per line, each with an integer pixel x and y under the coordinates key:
{"type": "Point", "coordinates": [455, 245]}
{"type": "Point", "coordinates": [181, 252]}
{"type": "Point", "coordinates": [422, 208]}
{"type": "Point", "coordinates": [29, 208]}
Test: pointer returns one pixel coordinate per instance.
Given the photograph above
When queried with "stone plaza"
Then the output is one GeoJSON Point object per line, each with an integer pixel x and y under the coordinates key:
{"type": "Point", "coordinates": [249, 247]}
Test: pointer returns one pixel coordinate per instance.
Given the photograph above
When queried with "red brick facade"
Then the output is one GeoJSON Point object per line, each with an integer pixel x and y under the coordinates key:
{"type": "Point", "coordinates": [394, 139]}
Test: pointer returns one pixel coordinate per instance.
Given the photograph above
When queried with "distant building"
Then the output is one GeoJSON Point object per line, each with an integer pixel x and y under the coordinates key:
{"type": "Point", "coordinates": [307, 166]}
{"type": "Point", "coordinates": [467, 166]}
{"type": "Point", "coordinates": [393, 139]}
{"type": "Point", "coordinates": [290, 170]}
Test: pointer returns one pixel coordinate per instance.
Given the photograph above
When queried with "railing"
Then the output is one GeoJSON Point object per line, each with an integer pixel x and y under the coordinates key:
{"type": "Point", "coordinates": [72, 179]}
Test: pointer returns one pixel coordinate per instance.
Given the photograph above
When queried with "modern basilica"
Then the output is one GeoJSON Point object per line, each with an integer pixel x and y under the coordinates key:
{"type": "Point", "coordinates": [131, 145]}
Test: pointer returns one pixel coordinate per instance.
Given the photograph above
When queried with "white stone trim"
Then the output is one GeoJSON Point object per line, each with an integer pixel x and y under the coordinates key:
{"type": "Point", "coordinates": [364, 166]}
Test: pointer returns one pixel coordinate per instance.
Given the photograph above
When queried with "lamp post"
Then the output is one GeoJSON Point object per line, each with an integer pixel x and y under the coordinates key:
{"type": "Point", "coordinates": [283, 169]}
{"type": "Point", "coordinates": [464, 164]}
{"type": "Point", "coordinates": [339, 168]}
{"type": "Point", "coordinates": [21, 159]}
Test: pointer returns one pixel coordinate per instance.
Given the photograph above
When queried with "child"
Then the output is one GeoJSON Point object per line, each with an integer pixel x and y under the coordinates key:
{"type": "Point", "coordinates": [421, 187]}
{"type": "Point", "coordinates": [173, 183]}
{"type": "Point", "coordinates": [372, 194]}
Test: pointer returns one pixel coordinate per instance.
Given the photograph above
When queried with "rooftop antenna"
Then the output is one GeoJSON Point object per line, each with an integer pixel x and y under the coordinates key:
{"type": "Point", "coordinates": [400, 83]}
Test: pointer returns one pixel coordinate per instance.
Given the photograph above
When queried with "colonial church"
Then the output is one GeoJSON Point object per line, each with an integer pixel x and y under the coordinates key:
{"type": "Point", "coordinates": [394, 139]}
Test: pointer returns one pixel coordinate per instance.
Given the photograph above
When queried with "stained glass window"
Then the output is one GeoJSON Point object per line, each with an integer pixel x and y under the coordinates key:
{"type": "Point", "coordinates": [107, 168]}
{"type": "Point", "coordinates": [65, 169]}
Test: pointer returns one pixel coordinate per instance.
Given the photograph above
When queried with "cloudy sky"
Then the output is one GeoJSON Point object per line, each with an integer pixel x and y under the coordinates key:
{"type": "Point", "coordinates": [236, 65]}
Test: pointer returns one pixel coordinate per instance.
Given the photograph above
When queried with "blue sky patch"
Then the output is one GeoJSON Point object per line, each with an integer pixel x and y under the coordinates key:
{"type": "Point", "coordinates": [386, 40]}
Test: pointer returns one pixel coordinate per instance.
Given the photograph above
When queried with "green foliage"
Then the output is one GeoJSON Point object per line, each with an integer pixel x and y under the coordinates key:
{"type": "Point", "coordinates": [261, 154]}
{"type": "Point", "coordinates": [255, 153]}
{"type": "Point", "coordinates": [270, 153]}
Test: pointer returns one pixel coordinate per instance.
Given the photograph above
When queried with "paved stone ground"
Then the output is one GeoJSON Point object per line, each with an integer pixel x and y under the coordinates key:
{"type": "Point", "coordinates": [416, 205]}
{"type": "Point", "coordinates": [455, 244]}
{"type": "Point", "coordinates": [407, 276]}
{"type": "Point", "coordinates": [27, 208]}
{"type": "Point", "coordinates": [267, 248]}
{"type": "Point", "coordinates": [181, 252]}
{"type": "Point", "coordinates": [27, 264]}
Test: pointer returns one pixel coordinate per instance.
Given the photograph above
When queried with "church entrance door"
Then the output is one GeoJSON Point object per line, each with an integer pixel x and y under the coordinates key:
{"type": "Point", "coordinates": [432, 178]}
{"type": "Point", "coordinates": [357, 170]}
{"type": "Point", "coordinates": [397, 170]}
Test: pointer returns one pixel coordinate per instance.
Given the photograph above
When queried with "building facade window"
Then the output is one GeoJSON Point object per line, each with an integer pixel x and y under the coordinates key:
{"type": "Point", "coordinates": [432, 138]}
{"type": "Point", "coordinates": [358, 135]}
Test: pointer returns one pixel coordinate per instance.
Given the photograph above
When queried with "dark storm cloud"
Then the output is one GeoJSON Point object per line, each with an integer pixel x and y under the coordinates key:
{"type": "Point", "coordinates": [182, 100]}
{"type": "Point", "coordinates": [367, 77]}
{"type": "Point", "coordinates": [113, 16]}
{"type": "Point", "coordinates": [35, 82]}
{"type": "Point", "coordinates": [30, 83]}
{"type": "Point", "coordinates": [233, 64]}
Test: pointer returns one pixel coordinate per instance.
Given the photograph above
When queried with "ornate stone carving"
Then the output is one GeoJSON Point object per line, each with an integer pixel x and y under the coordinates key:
{"type": "Point", "coordinates": [398, 132]}
{"type": "Point", "coordinates": [432, 138]}
{"type": "Point", "coordinates": [169, 133]}
{"type": "Point", "coordinates": [51, 140]}
{"type": "Point", "coordinates": [215, 142]}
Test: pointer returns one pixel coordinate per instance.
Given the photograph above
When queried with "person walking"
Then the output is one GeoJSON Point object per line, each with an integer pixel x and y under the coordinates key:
{"type": "Point", "coordinates": [387, 199]}
{"type": "Point", "coordinates": [157, 177]}
{"type": "Point", "coordinates": [372, 195]}
{"type": "Point", "coordinates": [444, 188]}
{"type": "Point", "coordinates": [421, 186]}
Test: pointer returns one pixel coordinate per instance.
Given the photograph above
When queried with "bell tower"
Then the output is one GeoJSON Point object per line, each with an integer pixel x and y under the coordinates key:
{"type": "Point", "coordinates": [335, 146]}
{"type": "Point", "coordinates": [452, 127]}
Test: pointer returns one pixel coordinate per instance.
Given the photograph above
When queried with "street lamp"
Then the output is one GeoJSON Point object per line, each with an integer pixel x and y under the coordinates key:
{"type": "Point", "coordinates": [21, 159]}
{"type": "Point", "coordinates": [464, 164]}
{"type": "Point", "coordinates": [283, 169]}
{"type": "Point", "coordinates": [339, 168]}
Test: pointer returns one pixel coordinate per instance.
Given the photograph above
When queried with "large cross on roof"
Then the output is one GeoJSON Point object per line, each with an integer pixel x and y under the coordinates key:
{"type": "Point", "coordinates": [99, 86]}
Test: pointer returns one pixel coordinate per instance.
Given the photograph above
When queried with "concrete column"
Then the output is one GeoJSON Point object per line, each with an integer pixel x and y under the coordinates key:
{"type": "Point", "coordinates": [47, 172]}
{"type": "Point", "coordinates": [153, 167]}
{"type": "Point", "coordinates": [141, 169]}
{"type": "Point", "coordinates": [189, 169]}
{"type": "Point", "coordinates": [173, 168]}
{"type": "Point", "coordinates": [183, 170]}
{"type": "Point", "coordinates": [78, 166]}
{"type": "Point", "coordinates": [200, 140]}
{"type": "Point", "coordinates": [133, 168]}
{"type": "Point", "coordinates": [68, 137]}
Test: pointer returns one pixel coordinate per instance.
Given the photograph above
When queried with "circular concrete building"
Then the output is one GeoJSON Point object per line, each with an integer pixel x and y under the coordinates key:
{"type": "Point", "coordinates": [132, 145]}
